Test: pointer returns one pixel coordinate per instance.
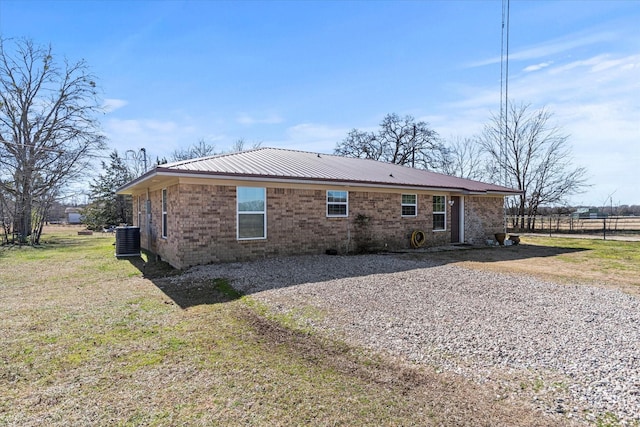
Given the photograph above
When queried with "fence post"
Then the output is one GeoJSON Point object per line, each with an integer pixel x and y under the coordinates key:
{"type": "Point", "coordinates": [604, 228]}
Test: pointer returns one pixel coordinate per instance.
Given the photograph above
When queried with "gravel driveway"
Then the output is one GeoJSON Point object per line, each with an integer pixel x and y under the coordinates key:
{"type": "Point", "coordinates": [572, 349]}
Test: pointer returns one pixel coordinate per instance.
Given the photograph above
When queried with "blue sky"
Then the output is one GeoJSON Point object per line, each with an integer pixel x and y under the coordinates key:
{"type": "Point", "coordinates": [301, 74]}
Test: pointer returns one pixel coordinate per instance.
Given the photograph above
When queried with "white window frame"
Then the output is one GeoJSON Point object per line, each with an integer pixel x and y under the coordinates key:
{"type": "Point", "coordinates": [334, 203]}
{"type": "Point", "coordinates": [414, 205]}
{"type": "Point", "coordinates": [263, 212]}
{"type": "Point", "coordinates": [139, 212]}
{"type": "Point", "coordinates": [443, 213]}
{"type": "Point", "coordinates": [165, 223]}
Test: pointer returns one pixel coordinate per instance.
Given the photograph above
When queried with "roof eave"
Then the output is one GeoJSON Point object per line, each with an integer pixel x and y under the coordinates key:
{"type": "Point", "coordinates": [125, 189]}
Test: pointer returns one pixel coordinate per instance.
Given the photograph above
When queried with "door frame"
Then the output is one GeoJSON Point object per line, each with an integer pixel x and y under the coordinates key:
{"type": "Point", "coordinates": [458, 205]}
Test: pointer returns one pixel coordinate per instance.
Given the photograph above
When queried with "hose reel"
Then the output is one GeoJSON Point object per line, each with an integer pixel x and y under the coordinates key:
{"type": "Point", "coordinates": [418, 239]}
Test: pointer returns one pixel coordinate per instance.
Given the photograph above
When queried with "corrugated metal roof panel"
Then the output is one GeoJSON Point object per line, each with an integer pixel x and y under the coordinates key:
{"type": "Point", "coordinates": [300, 165]}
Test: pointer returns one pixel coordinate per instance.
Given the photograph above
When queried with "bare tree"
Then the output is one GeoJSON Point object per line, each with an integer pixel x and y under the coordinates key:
{"type": "Point", "coordinates": [466, 159]}
{"type": "Point", "coordinates": [360, 144]}
{"type": "Point", "coordinates": [240, 145]}
{"type": "Point", "coordinates": [531, 154]}
{"type": "Point", "coordinates": [400, 140]}
{"type": "Point", "coordinates": [48, 127]}
{"type": "Point", "coordinates": [136, 162]}
{"type": "Point", "coordinates": [201, 149]}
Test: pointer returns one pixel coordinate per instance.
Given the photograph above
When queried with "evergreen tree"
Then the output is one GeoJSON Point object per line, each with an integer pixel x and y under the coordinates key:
{"type": "Point", "coordinates": [106, 207]}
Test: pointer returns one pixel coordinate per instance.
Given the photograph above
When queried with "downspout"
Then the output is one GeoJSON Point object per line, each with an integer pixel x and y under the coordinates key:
{"type": "Point", "coordinates": [148, 207]}
{"type": "Point", "coordinates": [348, 234]}
{"type": "Point", "coordinates": [461, 216]}
{"type": "Point", "coordinates": [348, 221]}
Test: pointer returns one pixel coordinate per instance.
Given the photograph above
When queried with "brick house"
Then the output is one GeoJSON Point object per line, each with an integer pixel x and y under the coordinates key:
{"type": "Point", "coordinates": [272, 202]}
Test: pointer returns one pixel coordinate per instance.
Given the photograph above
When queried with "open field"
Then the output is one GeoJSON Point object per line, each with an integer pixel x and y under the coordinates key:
{"type": "Point", "coordinates": [566, 224]}
{"type": "Point", "coordinates": [89, 339]}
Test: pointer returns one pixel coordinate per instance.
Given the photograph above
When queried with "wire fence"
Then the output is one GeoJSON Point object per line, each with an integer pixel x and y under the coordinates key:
{"type": "Point", "coordinates": [572, 224]}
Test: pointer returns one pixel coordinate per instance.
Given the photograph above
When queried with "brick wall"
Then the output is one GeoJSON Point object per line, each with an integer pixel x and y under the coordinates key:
{"type": "Point", "coordinates": [202, 223]}
{"type": "Point", "coordinates": [483, 217]}
{"type": "Point", "coordinates": [168, 249]}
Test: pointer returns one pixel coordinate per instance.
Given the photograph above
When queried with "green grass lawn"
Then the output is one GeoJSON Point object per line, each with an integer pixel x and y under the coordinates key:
{"type": "Point", "coordinates": [87, 340]}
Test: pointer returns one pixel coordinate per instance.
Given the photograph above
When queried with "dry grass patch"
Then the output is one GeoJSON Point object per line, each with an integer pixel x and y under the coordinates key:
{"type": "Point", "coordinates": [567, 260]}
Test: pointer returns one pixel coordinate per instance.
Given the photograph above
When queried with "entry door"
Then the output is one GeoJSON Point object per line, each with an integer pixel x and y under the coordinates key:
{"type": "Point", "coordinates": [455, 219]}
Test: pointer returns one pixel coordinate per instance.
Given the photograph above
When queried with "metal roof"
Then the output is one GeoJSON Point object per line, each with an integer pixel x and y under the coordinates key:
{"type": "Point", "coordinates": [282, 164]}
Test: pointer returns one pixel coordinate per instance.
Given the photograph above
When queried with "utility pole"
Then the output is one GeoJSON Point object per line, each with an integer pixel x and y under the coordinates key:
{"type": "Point", "coordinates": [413, 148]}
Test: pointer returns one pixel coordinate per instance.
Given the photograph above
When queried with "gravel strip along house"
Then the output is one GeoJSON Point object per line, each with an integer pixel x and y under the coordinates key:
{"type": "Point", "coordinates": [273, 202]}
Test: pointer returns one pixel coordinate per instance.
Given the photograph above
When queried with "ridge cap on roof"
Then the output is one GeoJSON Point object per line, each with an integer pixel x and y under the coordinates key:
{"type": "Point", "coordinates": [292, 150]}
{"type": "Point", "coordinates": [340, 157]}
{"type": "Point", "coordinates": [236, 153]}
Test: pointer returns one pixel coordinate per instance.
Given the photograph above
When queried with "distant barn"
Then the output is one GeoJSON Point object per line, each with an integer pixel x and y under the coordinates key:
{"type": "Point", "coordinates": [588, 213]}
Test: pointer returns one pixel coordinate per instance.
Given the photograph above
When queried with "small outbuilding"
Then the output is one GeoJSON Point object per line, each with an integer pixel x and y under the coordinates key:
{"type": "Point", "coordinates": [273, 202]}
{"type": "Point", "coordinates": [73, 215]}
{"type": "Point", "coordinates": [588, 213]}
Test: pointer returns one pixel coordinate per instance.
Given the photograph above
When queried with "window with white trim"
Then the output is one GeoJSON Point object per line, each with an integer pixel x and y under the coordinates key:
{"type": "Point", "coordinates": [409, 205]}
{"type": "Point", "coordinates": [337, 203]}
{"type": "Point", "coordinates": [164, 214]}
{"type": "Point", "coordinates": [252, 213]}
{"type": "Point", "coordinates": [439, 213]}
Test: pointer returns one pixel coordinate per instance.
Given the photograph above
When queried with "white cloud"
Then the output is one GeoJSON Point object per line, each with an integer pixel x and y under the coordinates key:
{"type": "Point", "coordinates": [552, 47]}
{"type": "Point", "coordinates": [113, 104]}
{"type": "Point", "coordinates": [156, 136]}
{"type": "Point", "coordinates": [602, 77]}
{"type": "Point", "coordinates": [310, 136]}
{"type": "Point", "coordinates": [594, 100]}
{"type": "Point", "coordinates": [537, 67]}
{"type": "Point", "coordinates": [588, 63]}
{"type": "Point", "coordinates": [464, 123]}
{"type": "Point", "coordinates": [246, 119]}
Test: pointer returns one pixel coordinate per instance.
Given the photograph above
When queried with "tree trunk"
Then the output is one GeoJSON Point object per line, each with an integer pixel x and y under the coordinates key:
{"type": "Point", "coordinates": [22, 221]}
{"type": "Point", "coordinates": [40, 216]}
{"type": "Point", "coordinates": [521, 211]}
